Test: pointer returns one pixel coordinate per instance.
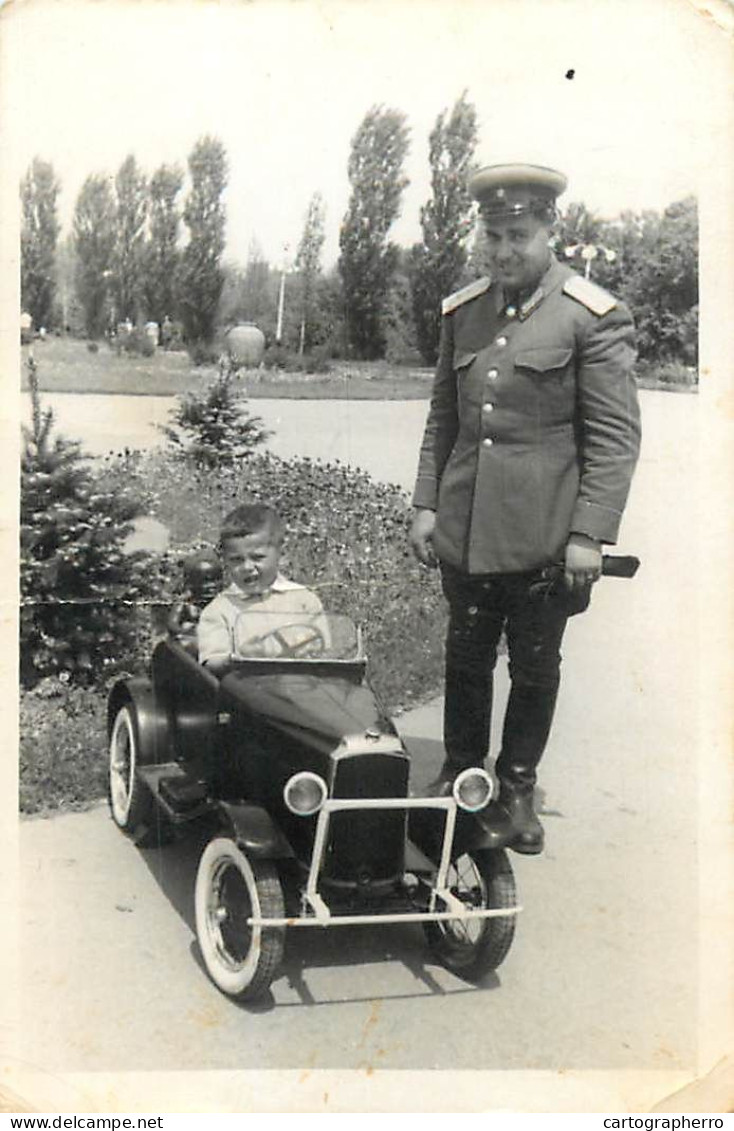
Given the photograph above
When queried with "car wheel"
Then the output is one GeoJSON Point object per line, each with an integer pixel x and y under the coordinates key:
{"type": "Point", "coordinates": [130, 801]}
{"type": "Point", "coordinates": [241, 960]}
{"type": "Point", "coordinates": [470, 949]}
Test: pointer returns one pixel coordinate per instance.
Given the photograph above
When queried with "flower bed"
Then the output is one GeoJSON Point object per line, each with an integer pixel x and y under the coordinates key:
{"type": "Point", "coordinates": [346, 536]}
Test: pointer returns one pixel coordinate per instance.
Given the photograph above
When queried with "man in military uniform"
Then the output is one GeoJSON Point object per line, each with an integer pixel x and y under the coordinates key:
{"type": "Point", "coordinates": [529, 448]}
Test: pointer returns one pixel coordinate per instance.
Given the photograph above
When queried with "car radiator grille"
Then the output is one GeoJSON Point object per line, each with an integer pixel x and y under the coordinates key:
{"type": "Point", "coordinates": [364, 847]}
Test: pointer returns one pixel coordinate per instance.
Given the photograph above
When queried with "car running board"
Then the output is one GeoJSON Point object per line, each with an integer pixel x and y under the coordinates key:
{"type": "Point", "coordinates": [183, 798]}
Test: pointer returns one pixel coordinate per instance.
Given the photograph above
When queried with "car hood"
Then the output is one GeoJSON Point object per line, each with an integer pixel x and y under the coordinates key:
{"type": "Point", "coordinates": [324, 709]}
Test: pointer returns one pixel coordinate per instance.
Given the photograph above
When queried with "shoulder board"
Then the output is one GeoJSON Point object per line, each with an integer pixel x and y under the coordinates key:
{"type": "Point", "coordinates": [473, 290]}
{"type": "Point", "coordinates": [596, 299]}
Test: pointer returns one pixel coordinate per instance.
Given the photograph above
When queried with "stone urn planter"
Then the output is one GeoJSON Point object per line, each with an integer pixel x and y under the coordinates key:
{"type": "Point", "coordinates": [245, 344]}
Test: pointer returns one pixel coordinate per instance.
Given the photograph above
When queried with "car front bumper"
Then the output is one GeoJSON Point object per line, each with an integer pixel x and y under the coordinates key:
{"type": "Point", "coordinates": [317, 912]}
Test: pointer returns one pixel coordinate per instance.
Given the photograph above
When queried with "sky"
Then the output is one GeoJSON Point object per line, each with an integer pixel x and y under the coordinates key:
{"type": "Point", "coordinates": [285, 84]}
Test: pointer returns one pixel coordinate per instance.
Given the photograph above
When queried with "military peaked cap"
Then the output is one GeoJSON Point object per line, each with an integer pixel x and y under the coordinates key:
{"type": "Point", "coordinates": [515, 190]}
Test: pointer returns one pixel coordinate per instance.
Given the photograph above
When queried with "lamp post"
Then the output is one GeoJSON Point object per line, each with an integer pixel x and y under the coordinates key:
{"type": "Point", "coordinates": [588, 252]}
{"type": "Point", "coordinates": [281, 296]}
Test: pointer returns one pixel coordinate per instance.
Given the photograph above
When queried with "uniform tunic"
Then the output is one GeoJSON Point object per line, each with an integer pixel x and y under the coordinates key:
{"type": "Point", "coordinates": [533, 430]}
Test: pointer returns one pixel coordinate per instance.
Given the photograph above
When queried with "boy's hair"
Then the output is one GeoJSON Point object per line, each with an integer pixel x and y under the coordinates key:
{"type": "Point", "coordinates": [251, 518]}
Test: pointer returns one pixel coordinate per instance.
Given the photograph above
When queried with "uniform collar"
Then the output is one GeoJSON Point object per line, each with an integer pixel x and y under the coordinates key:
{"type": "Point", "coordinates": [524, 305]}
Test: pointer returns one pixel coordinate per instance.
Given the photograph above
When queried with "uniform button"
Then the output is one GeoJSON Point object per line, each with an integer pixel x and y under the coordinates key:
{"type": "Point", "coordinates": [510, 312]}
{"type": "Point", "coordinates": [488, 442]}
{"type": "Point", "coordinates": [501, 341]}
{"type": "Point", "coordinates": [489, 407]}
{"type": "Point", "coordinates": [493, 374]}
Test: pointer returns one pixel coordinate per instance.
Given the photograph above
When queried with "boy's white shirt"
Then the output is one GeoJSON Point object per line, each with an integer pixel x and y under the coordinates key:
{"type": "Point", "coordinates": [215, 631]}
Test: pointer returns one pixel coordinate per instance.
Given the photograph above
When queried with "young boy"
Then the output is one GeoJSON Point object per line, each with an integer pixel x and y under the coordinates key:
{"type": "Point", "coordinates": [260, 612]}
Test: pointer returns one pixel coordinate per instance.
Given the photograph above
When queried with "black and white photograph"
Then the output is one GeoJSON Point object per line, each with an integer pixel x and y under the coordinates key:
{"type": "Point", "coordinates": [367, 556]}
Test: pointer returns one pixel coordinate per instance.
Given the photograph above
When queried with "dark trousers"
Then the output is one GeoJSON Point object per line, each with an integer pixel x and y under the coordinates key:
{"type": "Point", "coordinates": [480, 608]}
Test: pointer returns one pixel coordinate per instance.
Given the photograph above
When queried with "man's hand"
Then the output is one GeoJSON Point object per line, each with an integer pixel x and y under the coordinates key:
{"type": "Point", "coordinates": [421, 537]}
{"type": "Point", "coordinates": [583, 561]}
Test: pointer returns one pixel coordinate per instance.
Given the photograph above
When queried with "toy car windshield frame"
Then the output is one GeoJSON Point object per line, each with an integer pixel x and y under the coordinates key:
{"type": "Point", "coordinates": [325, 624]}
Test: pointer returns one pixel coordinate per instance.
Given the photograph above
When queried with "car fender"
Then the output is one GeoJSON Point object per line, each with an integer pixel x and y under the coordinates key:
{"type": "Point", "coordinates": [255, 830]}
{"type": "Point", "coordinates": [471, 834]}
{"type": "Point", "coordinates": [426, 828]}
{"type": "Point", "coordinates": [150, 718]}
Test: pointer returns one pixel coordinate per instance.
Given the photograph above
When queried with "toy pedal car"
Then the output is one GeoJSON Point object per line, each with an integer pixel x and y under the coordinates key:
{"type": "Point", "coordinates": [302, 781]}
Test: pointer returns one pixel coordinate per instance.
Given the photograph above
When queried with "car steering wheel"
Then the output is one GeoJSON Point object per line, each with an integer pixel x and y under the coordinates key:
{"type": "Point", "coordinates": [314, 641]}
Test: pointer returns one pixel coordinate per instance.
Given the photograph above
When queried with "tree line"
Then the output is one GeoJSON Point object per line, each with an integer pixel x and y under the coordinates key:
{"type": "Point", "coordinates": [139, 251]}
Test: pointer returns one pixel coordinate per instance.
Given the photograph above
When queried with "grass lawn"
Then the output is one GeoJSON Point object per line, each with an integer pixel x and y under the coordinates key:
{"type": "Point", "coordinates": [65, 365]}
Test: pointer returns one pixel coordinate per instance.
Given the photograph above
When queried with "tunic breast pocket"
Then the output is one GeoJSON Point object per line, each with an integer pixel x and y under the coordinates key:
{"type": "Point", "coordinates": [548, 375]}
{"type": "Point", "coordinates": [544, 360]}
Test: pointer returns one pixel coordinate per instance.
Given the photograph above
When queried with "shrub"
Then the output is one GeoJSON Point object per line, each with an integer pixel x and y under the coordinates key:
{"type": "Point", "coordinates": [214, 428]}
{"type": "Point", "coordinates": [203, 353]}
{"type": "Point", "coordinates": [315, 361]}
{"type": "Point", "coordinates": [135, 342]}
{"type": "Point", "coordinates": [671, 373]}
{"type": "Point", "coordinates": [139, 343]}
{"type": "Point", "coordinates": [276, 357]}
{"type": "Point", "coordinates": [77, 585]}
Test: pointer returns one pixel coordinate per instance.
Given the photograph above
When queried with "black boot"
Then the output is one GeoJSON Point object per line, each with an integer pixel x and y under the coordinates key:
{"type": "Point", "coordinates": [526, 832]}
{"type": "Point", "coordinates": [497, 826]}
{"type": "Point", "coordinates": [525, 733]}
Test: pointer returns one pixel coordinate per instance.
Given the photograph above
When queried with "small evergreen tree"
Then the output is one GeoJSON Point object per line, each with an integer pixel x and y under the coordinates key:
{"type": "Point", "coordinates": [79, 591]}
{"type": "Point", "coordinates": [213, 429]}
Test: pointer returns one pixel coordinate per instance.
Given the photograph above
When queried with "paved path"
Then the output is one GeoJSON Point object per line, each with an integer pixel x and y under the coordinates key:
{"type": "Point", "coordinates": [380, 436]}
{"type": "Point", "coordinates": [603, 971]}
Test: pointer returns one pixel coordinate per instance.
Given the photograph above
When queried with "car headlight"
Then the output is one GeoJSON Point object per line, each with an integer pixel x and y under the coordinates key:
{"type": "Point", "coordinates": [472, 789]}
{"type": "Point", "coordinates": [305, 793]}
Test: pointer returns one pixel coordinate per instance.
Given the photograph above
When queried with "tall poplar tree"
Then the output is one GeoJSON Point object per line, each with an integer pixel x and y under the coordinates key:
{"type": "Point", "coordinates": [94, 240]}
{"type": "Point", "coordinates": [162, 255]}
{"type": "Point", "coordinates": [308, 265]}
{"type": "Point", "coordinates": [368, 260]}
{"type": "Point", "coordinates": [131, 211]}
{"type": "Point", "coordinates": [39, 233]}
{"type": "Point", "coordinates": [439, 261]}
{"type": "Point", "coordinates": [202, 277]}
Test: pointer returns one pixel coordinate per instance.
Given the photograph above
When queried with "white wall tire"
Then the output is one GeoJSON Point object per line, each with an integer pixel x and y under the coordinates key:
{"type": "Point", "coordinates": [242, 961]}
{"type": "Point", "coordinates": [130, 802]}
